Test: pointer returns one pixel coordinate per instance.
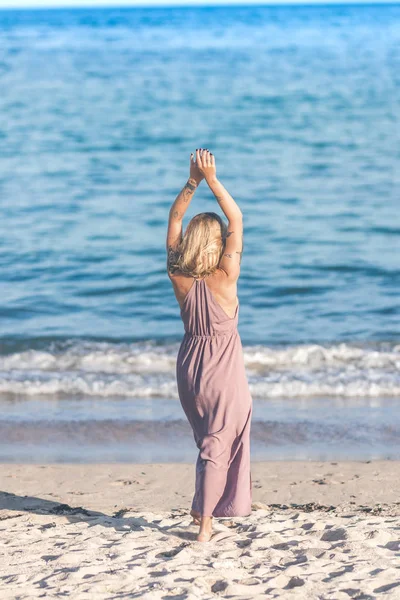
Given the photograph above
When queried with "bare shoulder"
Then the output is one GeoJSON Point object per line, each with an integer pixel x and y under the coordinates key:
{"type": "Point", "coordinates": [181, 284]}
{"type": "Point", "coordinates": [223, 287]}
{"type": "Point", "coordinates": [221, 278]}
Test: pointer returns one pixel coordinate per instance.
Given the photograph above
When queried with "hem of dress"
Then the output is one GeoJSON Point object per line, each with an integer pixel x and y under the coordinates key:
{"type": "Point", "coordinates": [232, 516]}
{"type": "Point", "coordinates": [219, 515]}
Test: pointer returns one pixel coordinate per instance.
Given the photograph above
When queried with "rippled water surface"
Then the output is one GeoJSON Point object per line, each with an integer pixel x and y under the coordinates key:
{"type": "Point", "coordinates": [99, 111]}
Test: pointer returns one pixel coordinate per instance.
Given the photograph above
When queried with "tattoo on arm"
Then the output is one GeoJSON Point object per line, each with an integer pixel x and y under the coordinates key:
{"type": "Point", "coordinates": [171, 257]}
{"type": "Point", "coordinates": [188, 190]}
{"type": "Point", "coordinates": [219, 199]}
{"type": "Point", "coordinates": [228, 233]}
{"type": "Point", "coordinates": [191, 184]}
{"type": "Point", "coordinates": [175, 214]}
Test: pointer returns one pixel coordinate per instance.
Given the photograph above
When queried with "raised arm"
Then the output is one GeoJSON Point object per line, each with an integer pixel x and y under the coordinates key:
{"type": "Point", "coordinates": [231, 259]}
{"type": "Point", "coordinates": [179, 207]}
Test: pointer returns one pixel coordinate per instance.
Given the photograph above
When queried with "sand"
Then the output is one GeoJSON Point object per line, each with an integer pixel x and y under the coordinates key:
{"type": "Point", "coordinates": [318, 530]}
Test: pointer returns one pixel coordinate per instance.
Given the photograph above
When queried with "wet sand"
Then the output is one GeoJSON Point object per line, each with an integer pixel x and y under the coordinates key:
{"type": "Point", "coordinates": [317, 529]}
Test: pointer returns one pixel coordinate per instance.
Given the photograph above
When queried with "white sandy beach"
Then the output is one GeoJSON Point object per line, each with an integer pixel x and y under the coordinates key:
{"type": "Point", "coordinates": [318, 530]}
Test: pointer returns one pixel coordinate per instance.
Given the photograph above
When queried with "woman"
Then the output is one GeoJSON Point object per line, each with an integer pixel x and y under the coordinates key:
{"type": "Point", "coordinates": [204, 266]}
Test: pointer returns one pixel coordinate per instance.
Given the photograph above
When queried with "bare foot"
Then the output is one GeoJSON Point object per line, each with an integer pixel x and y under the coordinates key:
{"type": "Point", "coordinates": [205, 532]}
{"type": "Point", "coordinates": [204, 537]}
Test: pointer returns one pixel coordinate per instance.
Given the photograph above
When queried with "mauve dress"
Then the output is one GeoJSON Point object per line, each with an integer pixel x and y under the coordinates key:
{"type": "Point", "coordinates": [214, 393]}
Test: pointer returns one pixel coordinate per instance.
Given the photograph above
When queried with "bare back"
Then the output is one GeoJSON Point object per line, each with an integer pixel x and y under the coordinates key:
{"type": "Point", "coordinates": [223, 289]}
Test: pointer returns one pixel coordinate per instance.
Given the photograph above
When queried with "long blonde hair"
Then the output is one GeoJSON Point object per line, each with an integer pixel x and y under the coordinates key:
{"type": "Point", "coordinates": [200, 249]}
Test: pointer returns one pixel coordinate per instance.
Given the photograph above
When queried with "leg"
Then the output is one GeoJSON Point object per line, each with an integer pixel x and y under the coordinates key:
{"type": "Point", "coordinates": [205, 532]}
{"type": "Point", "coordinates": [214, 463]}
{"type": "Point", "coordinates": [195, 508]}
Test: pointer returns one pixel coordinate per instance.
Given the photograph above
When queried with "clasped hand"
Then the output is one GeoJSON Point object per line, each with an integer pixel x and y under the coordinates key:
{"type": "Point", "coordinates": [204, 165]}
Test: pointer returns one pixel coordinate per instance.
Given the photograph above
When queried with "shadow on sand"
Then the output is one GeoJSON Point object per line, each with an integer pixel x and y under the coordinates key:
{"type": "Point", "coordinates": [40, 506]}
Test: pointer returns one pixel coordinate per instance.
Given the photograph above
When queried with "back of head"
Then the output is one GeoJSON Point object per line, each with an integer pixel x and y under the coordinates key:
{"type": "Point", "coordinates": [202, 245]}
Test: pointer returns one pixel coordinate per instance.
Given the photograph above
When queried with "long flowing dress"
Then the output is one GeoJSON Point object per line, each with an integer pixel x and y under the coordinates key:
{"type": "Point", "coordinates": [215, 396]}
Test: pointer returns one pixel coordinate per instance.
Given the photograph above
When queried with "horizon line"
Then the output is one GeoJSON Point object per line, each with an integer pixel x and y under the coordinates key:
{"type": "Point", "coordinates": [201, 4]}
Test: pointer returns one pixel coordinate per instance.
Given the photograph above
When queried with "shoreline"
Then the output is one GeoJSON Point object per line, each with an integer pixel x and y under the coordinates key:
{"type": "Point", "coordinates": [167, 486]}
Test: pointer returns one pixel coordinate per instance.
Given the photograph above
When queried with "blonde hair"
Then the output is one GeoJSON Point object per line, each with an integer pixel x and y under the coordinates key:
{"type": "Point", "coordinates": [200, 249]}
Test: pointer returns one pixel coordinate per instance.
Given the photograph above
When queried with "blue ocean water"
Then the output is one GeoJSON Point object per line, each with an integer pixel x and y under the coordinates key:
{"type": "Point", "coordinates": [99, 111]}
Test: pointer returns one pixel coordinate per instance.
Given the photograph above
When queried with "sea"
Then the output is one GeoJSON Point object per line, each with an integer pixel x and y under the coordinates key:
{"type": "Point", "coordinates": [99, 112]}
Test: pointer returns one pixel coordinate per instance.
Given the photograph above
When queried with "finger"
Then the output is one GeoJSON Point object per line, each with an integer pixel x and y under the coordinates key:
{"type": "Point", "coordinates": [208, 158]}
{"type": "Point", "coordinates": [191, 158]}
{"type": "Point", "coordinates": [198, 157]}
{"type": "Point", "coordinates": [212, 159]}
